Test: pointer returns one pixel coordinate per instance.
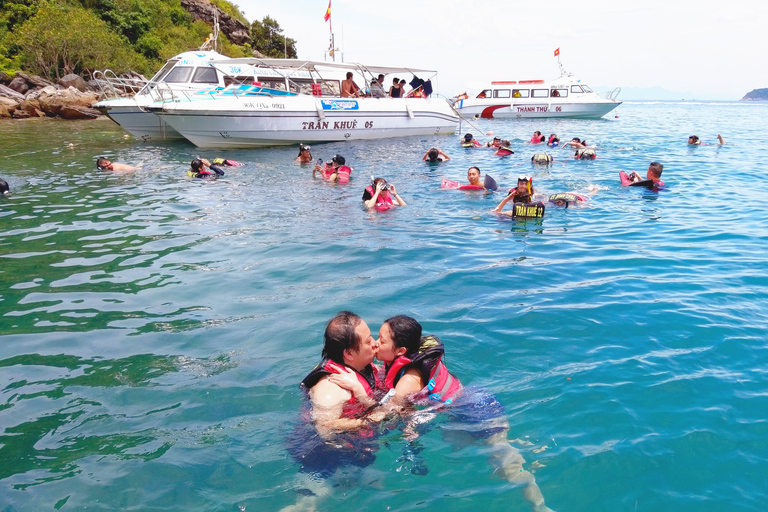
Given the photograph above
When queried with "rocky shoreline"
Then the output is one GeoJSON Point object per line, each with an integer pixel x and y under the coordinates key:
{"type": "Point", "coordinates": [24, 96]}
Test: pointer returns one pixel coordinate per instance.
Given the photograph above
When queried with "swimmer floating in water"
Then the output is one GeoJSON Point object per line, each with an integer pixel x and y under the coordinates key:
{"type": "Point", "coordinates": [198, 169]}
{"type": "Point", "coordinates": [5, 190]}
{"type": "Point", "coordinates": [694, 140]}
{"type": "Point", "coordinates": [105, 164]}
{"type": "Point", "coordinates": [523, 193]}
{"type": "Point", "coordinates": [305, 156]}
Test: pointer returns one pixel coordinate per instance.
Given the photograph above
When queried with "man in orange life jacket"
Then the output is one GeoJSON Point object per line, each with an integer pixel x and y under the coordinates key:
{"type": "Point", "coordinates": [348, 347]}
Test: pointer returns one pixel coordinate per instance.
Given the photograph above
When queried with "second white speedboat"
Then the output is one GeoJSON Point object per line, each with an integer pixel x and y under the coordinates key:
{"type": "Point", "coordinates": [565, 97]}
{"type": "Point", "coordinates": [290, 103]}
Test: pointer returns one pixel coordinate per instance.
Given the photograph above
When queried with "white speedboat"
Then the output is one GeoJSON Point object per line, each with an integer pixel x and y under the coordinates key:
{"type": "Point", "coordinates": [298, 101]}
{"type": "Point", "coordinates": [188, 72]}
{"type": "Point", "coordinates": [566, 96]}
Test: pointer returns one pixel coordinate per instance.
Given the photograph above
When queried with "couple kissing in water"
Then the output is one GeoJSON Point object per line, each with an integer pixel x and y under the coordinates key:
{"type": "Point", "coordinates": [349, 396]}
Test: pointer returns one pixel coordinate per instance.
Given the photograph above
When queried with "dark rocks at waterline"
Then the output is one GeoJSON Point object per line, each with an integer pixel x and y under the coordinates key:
{"type": "Point", "coordinates": [756, 95]}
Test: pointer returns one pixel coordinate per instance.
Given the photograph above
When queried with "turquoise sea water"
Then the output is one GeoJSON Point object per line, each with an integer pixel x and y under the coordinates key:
{"type": "Point", "coordinates": [153, 329]}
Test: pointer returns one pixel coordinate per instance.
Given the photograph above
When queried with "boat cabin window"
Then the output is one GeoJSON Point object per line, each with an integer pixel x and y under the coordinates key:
{"type": "Point", "coordinates": [540, 93]}
{"type": "Point", "coordinates": [519, 93]}
{"type": "Point", "coordinates": [586, 88]}
{"type": "Point", "coordinates": [501, 93]}
{"type": "Point", "coordinates": [486, 94]}
{"type": "Point", "coordinates": [178, 75]}
{"type": "Point", "coordinates": [559, 93]}
{"type": "Point", "coordinates": [164, 71]}
{"type": "Point", "coordinates": [576, 88]}
{"type": "Point", "coordinates": [205, 76]}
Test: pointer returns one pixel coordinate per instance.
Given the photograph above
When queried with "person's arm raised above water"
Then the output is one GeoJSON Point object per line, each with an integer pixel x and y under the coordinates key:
{"type": "Point", "coordinates": [396, 196]}
{"type": "Point", "coordinates": [370, 203]}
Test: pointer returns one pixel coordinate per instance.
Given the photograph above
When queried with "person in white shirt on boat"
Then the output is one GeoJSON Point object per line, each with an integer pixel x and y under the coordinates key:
{"type": "Point", "coordinates": [377, 89]}
{"type": "Point", "coordinates": [349, 88]}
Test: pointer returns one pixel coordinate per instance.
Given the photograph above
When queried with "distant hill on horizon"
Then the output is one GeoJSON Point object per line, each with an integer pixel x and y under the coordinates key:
{"type": "Point", "coordinates": [756, 95]}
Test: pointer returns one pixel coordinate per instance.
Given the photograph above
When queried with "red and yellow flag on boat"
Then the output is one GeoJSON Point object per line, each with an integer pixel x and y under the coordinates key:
{"type": "Point", "coordinates": [328, 12]}
{"type": "Point", "coordinates": [557, 52]}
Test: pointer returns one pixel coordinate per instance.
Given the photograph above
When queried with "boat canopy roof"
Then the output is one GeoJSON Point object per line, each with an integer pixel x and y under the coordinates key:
{"type": "Point", "coordinates": [313, 64]}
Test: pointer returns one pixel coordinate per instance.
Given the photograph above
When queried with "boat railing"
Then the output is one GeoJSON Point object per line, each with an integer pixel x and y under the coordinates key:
{"type": "Point", "coordinates": [610, 95]}
{"type": "Point", "coordinates": [114, 86]}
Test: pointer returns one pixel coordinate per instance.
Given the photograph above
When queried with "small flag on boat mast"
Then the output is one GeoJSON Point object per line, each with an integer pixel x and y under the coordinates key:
{"type": "Point", "coordinates": [328, 12]}
{"type": "Point", "coordinates": [557, 52]}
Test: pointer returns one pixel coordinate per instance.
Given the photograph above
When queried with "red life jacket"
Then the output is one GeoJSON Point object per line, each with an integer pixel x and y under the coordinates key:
{"type": "Point", "coordinates": [384, 201]}
{"type": "Point", "coordinates": [441, 385]}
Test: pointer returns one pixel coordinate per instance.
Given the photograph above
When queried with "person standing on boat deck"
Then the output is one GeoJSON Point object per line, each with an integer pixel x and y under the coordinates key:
{"type": "Point", "coordinates": [395, 91]}
{"type": "Point", "coordinates": [349, 88]}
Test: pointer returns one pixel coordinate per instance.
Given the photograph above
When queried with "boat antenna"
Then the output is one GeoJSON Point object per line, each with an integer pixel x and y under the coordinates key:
{"type": "Point", "coordinates": [563, 72]}
{"type": "Point", "coordinates": [332, 47]}
{"type": "Point", "coordinates": [213, 37]}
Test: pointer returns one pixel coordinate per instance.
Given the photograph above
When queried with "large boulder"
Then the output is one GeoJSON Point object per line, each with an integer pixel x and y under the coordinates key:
{"type": "Point", "coordinates": [4, 78]}
{"type": "Point", "coordinates": [7, 106]}
{"type": "Point", "coordinates": [73, 80]}
{"type": "Point", "coordinates": [67, 103]}
{"type": "Point", "coordinates": [7, 92]}
{"type": "Point", "coordinates": [235, 30]}
{"type": "Point", "coordinates": [34, 80]}
{"type": "Point", "coordinates": [19, 85]}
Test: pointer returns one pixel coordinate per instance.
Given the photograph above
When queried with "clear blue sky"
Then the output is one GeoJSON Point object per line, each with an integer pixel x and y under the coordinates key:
{"type": "Point", "coordinates": [716, 50]}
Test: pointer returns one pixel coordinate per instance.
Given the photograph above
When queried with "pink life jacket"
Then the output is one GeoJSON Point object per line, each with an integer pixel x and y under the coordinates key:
{"type": "Point", "coordinates": [343, 174]}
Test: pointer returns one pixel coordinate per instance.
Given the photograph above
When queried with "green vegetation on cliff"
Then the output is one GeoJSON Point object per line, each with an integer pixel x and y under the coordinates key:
{"type": "Point", "coordinates": [56, 37]}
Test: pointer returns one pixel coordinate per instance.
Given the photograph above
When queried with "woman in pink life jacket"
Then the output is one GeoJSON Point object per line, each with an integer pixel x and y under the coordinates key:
{"type": "Point", "coordinates": [381, 196]}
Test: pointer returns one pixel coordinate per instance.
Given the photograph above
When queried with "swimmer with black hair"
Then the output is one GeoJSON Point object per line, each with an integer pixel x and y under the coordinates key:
{"type": "Point", "coordinates": [305, 156]}
{"type": "Point", "coordinates": [105, 164]}
{"type": "Point", "coordinates": [470, 142]}
{"type": "Point", "coordinates": [576, 143]}
{"type": "Point", "coordinates": [653, 173]}
{"type": "Point", "coordinates": [694, 140]}
{"type": "Point", "coordinates": [553, 141]}
{"type": "Point", "coordinates": [537, 137]}
{"type": "Point", "coordinates": [523, 193]}
{"type": "Point", "coordinates": [435, 155]}
{"type": "Point", "coordinates": [199, 170]}
{"type": "Point", "coordinates": [5, 190]}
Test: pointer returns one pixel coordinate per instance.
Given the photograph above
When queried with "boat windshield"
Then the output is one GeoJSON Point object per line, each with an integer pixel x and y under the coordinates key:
{"type": "Point", "coordinates": [163, 71]}
{"type": "Point", "coordinates": [586, 88]}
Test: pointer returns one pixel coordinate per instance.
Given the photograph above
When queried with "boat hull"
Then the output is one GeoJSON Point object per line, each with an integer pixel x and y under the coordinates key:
{"type": "Point", "coordinates": [529, 110]}
{"type": "Point", "coordinates": [256, 122]}
{"type": "Point", "coordinates": [137, 121]}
